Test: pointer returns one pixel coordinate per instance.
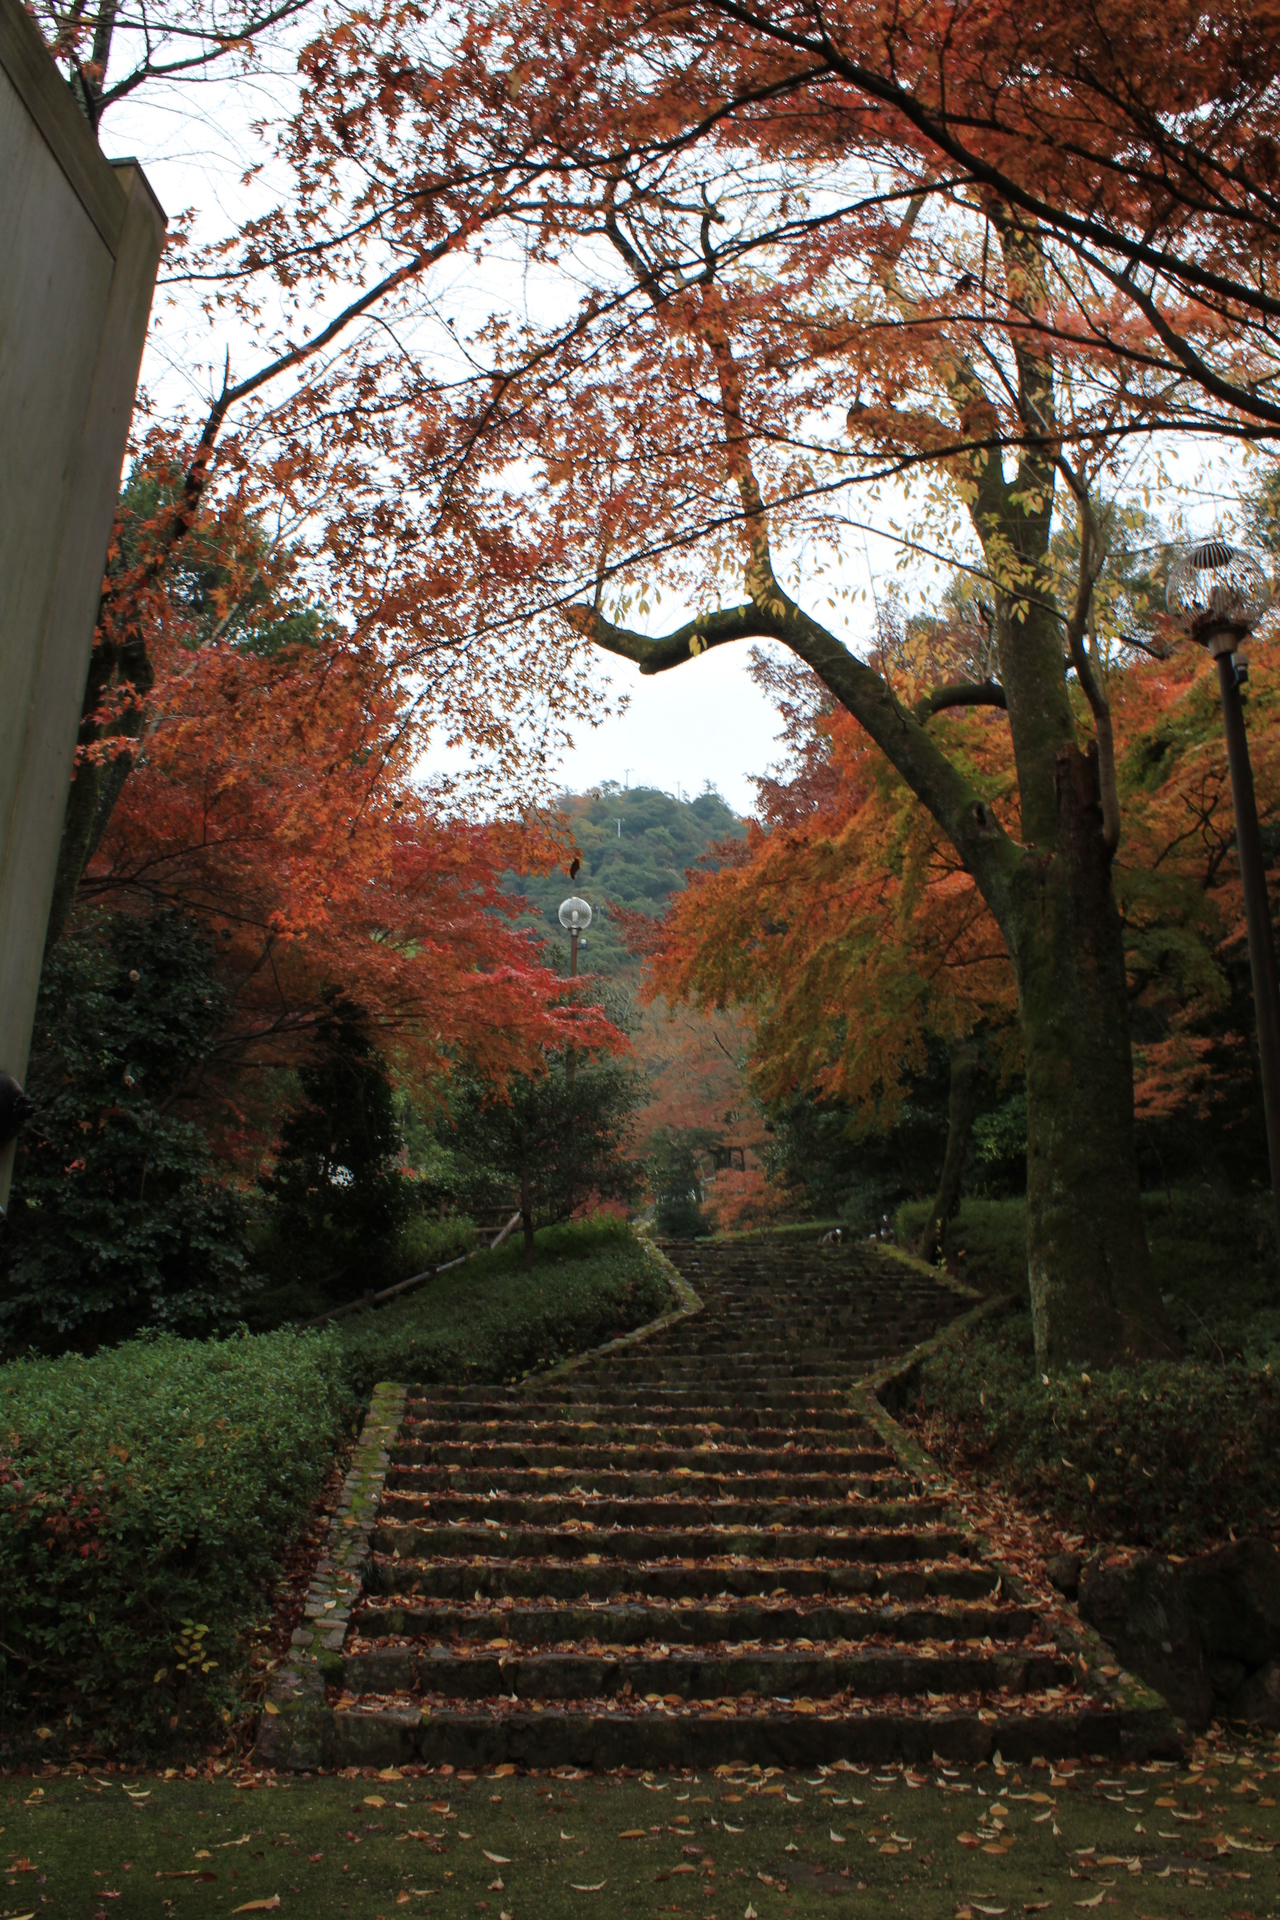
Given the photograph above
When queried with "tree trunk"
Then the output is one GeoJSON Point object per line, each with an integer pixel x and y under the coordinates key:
{"type": "Point", "coordinates": [1093, 1295]}
{"type": "Point", "coordinates": [97, 784]}
{"type": "Point", "coordinates": [526, 1199]}
{"type": "Point", "coordinates": [966, 1068]}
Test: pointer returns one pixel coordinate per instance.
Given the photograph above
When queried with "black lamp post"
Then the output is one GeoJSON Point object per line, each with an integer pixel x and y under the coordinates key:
{"type": "Point", "coordinates": [575, 914]}
{"type": "Point", "coordinates": [1218, 593]}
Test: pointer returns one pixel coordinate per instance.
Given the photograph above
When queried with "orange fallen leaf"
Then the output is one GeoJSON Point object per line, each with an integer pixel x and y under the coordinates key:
{"type": "Point", "coordinates": [259, 1906]}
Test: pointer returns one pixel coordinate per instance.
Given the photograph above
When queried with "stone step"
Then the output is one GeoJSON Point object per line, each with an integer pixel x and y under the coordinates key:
{"type": "Point", "coordinates": [671, 1739]}
{"type": "Point", "coordinates": [466, 1580]}
{"type": "Point", "coordinates": [446, 1455]}
{"type": "Point", "coordinates": [613, 1421]}
{"type": "Point", "coordinates": [706, 1676]}
{"type": "Point", "coordinates": [626, 1624]}
{"type": "Point", "coordinates": [548, 1510]}
{"type": "Point", "coordinates": [645, 1482]}
{"type": "Point", "coordinates": [656, 1544]}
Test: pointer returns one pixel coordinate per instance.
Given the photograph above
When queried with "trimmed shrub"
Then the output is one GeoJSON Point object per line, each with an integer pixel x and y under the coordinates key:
{"type": "Point", "coordinates": [425, 1242]}
{"type": "Point", "coordinates": [492, 1320]}
{"type": "Point", "coordinates": [146, 1495]}
{"type": "Point", "coordinates": [985, 1241]}
{"type": "Point", "coordinates": [1212, 1252]}
{"type": "Point", "coordinates": [1163, 1456]}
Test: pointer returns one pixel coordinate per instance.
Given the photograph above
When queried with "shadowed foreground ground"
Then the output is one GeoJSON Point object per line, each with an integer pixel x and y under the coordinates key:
{"type": "Point", "coordinates": [1149, 1841]}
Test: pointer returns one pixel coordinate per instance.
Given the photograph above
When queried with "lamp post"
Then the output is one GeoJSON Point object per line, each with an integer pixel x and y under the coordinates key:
{"type": "Point", "coordinates": [575, 914]}
{"type": "Point", "coordinates": [1217, 593]}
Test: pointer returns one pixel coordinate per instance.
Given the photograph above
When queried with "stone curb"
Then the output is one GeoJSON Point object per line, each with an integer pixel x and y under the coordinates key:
{"type": "Point", "coordinates": [897, 1378]}
{"type": "Point", "coordinates": [688, 1302]}
{"type": "Point", "coordinates": [1147, 1726]}
{"type": "Point", "coordinates": [939, 1275]}
{"type": "Point", "coordinates": [296, 1727]}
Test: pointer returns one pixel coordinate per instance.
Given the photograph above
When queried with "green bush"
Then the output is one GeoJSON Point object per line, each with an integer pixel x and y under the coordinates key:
{"type": "Point", "coordinates": [1212, 1251]}
{"type": "Point", "coordinates": [146, 1495]}
{"type": "Point", "coordinates": [985, 1242]}
{"type": "Point", "coordinates": [424, 1242]}
{"type": "Point", "coordinates": [1162, 1455]}
{"type": "Point", "coordinates": [493, 1320]}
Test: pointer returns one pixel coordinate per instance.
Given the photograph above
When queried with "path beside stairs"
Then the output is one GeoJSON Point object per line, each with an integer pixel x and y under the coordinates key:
{"type": "Point", "coordinates": [702, 1546]}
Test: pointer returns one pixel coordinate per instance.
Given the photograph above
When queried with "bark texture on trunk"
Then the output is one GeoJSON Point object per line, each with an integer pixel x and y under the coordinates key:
{"type": "Point", "coordinates": [962, 1106]}
{"type": "Point", "coordinates": [1093, 1293]}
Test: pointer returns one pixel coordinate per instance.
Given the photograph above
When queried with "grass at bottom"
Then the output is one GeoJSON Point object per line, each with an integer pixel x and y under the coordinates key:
{"type": "Point", "coordinates": [934, 1843]}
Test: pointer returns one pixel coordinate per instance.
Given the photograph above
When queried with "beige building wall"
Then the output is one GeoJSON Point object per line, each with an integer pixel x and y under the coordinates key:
{"type": "Point", "coordinates": [80, 242]}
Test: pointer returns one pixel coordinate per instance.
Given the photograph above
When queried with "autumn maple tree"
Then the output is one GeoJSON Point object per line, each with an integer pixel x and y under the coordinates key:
{"type": "Point", "coordinates": [275, 800]}
{"type": "Point", "coordinates": [786, 290]}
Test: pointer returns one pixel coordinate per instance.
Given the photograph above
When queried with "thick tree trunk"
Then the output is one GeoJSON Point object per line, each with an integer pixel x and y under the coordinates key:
{"type": "Point", "coordinates": [1093, 1294]}
{"type": "Point", "coordinates": [966, 1066]}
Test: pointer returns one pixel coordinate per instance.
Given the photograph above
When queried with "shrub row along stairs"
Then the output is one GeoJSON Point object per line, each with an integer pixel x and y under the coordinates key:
{"type": "Point", "coordinates": [698, 1547]}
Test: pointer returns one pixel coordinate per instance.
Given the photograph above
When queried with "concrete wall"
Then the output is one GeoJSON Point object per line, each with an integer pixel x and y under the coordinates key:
{"type": "Point", "coordinates": [80, 241]}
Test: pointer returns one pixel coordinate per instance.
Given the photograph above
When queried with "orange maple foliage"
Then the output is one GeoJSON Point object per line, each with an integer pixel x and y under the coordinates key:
{"type": "Point", "coordinates": [695, 1058]}
{"type": "Point", "coordinates": [275, 799]}
{"type": "Point", "coordinates": [848, 933]}
{"type": "Point", "coordinates": [1177, 879]}
{"type": "Point", "coordinates": [844, 924]}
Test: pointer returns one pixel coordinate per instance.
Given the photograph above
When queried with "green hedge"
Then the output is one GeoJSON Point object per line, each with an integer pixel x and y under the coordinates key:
{"type": "Point", "coordinates": [146, 1494]}
{"type": "Point", "coordinates": [492, 1320]}
{"type": "Point", "coordinates": [1213, 1253]}
{"type": "Point", "coordinates": [1164, 1456]}
{"type": "Point", "coordinates": [986, 1242]}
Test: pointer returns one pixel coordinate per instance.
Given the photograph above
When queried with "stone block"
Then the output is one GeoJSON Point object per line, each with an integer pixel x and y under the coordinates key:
{"type": "Point", "coordinates": [1258, 1700]}
{"type": "Point", "coordinates": [1140, 1610]}
{"type": "Point", "coordinates": [1233, 1595]}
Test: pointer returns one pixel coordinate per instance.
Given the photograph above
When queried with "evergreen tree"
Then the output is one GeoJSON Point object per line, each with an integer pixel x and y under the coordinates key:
{"type": "Point", "coordinates": [337, 1195]}
{"type": "Point", "coordinates": [118, 1218]}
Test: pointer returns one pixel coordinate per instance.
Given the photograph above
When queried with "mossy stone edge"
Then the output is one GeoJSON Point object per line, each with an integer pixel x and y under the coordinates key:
{"type": "Point", "coordinates": [295, 1731]}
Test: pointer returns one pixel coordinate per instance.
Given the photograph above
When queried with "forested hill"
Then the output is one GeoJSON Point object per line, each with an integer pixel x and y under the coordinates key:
{"type": "Point", "coordinates": [635, 845]}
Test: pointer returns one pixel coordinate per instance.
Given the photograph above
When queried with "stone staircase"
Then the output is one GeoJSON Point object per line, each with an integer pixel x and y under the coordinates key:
{"type": "Point", "coordinates": [699, 1546]}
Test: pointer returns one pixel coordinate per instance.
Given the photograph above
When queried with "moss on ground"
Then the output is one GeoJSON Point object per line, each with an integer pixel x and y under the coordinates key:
{"type": "Point", "coordinates": [934, 1845]}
